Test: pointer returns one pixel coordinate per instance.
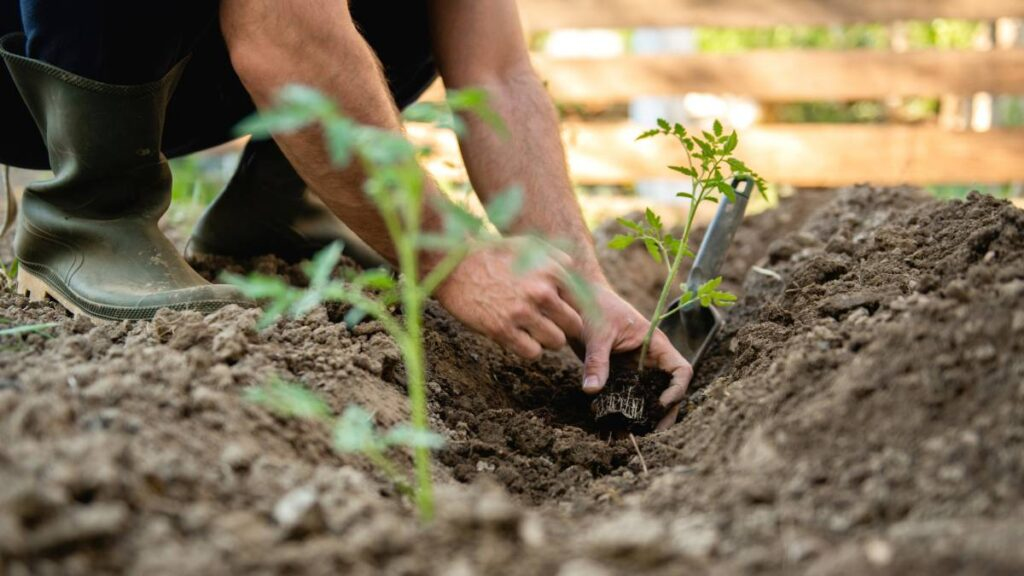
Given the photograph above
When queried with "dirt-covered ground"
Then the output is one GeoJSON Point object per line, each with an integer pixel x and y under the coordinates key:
{"type": "Point", "coordinates": [863, 412]}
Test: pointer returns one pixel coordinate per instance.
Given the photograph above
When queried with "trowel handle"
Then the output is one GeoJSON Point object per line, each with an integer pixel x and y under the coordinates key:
{"type": "Point", "coordinates": [719, 235]}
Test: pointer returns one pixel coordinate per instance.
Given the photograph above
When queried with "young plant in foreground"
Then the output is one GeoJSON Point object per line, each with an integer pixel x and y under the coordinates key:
{"type": "Point", "coordinates": [353, 432]}
{"type": "Point", "coordinates": [396, 184]}
{"type": "Point", "coordinates": [711, 165]}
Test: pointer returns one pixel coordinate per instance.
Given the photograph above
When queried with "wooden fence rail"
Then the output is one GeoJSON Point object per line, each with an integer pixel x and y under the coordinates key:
{"type": "Point", "coordinates": [791, 75]}
{"type": "Point", "coordinates": [548, 14]}
{"type": "Point", "coordinates": [797, 154]}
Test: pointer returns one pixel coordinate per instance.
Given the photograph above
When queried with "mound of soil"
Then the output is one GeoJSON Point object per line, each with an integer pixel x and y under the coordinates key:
{"type": "Point", "coordinates": [862, 411]}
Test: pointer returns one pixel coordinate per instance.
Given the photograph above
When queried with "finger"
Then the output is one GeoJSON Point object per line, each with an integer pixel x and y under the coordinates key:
{"type": "Point", "coordinates": [521, 344]}
{"type": "Point", "coordinates": [567, 319]}
{"type": "Point", "coordinates": [668, 419]}
{"type": "Point", "coordinates": [595, 365]}
{"type": "Point", "coordinates": [663, 355]}
{"type": "Point", "coordinates": [544, 331]}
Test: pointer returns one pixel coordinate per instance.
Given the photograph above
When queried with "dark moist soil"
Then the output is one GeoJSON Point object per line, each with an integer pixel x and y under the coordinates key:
{"type": "Point", "coordinates": [861, 412]}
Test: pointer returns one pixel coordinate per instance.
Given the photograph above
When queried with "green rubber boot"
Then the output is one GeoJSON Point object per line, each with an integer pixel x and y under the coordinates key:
{"type": "Point", "coordinates": [88, 238]}
{"type": "Point", "coordinates": [266, 208]}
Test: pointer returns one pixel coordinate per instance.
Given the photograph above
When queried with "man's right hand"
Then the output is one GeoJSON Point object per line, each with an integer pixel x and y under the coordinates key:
{"type": "Point", "coordinates": [525, 313]}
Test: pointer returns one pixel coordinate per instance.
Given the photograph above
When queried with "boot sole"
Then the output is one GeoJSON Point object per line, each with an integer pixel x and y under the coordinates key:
{"type": "Point", "coordinates": [37, 289]}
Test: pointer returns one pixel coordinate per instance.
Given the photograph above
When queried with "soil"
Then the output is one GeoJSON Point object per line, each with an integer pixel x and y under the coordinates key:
{"type": "Point", "coordinates": [862, 411]}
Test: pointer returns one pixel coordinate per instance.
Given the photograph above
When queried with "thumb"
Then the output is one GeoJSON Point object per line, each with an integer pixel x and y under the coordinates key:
{"type": "Point", "coordinates": [595, 365]}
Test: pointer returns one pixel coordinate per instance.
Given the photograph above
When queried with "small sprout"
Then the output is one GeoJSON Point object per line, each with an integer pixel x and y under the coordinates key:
{"type": "Point", "coordinates": [396, 184]}
{"type": "Point", "coordinates": [711, 165]}
{"type": "Point", "coordinates": [353, 432]}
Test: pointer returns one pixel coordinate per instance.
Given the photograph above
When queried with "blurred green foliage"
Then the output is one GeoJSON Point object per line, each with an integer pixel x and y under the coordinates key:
{"type": "Point", "coordinates": [940, 33]}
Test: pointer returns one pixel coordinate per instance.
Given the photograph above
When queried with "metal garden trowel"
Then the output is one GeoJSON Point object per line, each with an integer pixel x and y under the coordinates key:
{"type": "Point", "coordinates": [692, 328]}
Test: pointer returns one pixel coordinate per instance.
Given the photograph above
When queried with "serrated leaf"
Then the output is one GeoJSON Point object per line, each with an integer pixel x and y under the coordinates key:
{"type": "Point", "coordinates": [621, 242]}
{"type": "Point", "coordinates": [504, 208]}
{"type": "Point", "coordinates": [408, 436]}
{"type": "Point", "coordinates": [684, 170]}
{"type": "Point", "coordinates": [664, 125]}
{"type": "Point", "coordinates": [726, 190]}
{"type": "Point", "coordinates": [717, 128]}
{"type": "Point", "coordinates": [653, 219]}
{"type": "Point", "coordinates": [630, 224]}
{"type": "Point", "coordinates": [290, 400]}
{"type": "Point", "coordinates": [737, 165]}
{"type": "Point", "coordinates": [731, 142]}
{"type": "Point", "coordinates": [648, 134]}
{"type": "Point", "coordinates": [653, 249]}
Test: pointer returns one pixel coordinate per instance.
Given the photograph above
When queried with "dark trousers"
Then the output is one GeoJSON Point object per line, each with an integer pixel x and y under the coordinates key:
{"type": "Point", "coordinates": [138, 41]}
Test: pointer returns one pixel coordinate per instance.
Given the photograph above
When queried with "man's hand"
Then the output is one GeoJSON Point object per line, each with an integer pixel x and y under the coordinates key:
{"type": "Point", "coordinates": [532, 312]}
{"type": "Point", "coordinates": [525, 313]}
{"type": "Point", "coordinates": [620, 328]}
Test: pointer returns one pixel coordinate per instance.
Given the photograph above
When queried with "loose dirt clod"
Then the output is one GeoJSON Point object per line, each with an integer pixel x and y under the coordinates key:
{"type": "Point", "coordinates": [865, 414]}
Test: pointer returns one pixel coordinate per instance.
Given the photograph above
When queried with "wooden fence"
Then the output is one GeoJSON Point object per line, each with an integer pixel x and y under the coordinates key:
{"type": "Point", "coordinates": [799, 154]}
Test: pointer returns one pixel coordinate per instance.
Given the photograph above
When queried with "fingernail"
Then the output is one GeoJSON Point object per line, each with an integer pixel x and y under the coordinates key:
{"type": "Point", "coordinates": [590, 384]}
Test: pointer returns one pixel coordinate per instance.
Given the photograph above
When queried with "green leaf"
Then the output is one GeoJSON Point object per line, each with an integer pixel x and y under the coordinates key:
{"type": "Point", "coordinates": [630, 224]}
{"type": "Point", "coordinates": [648, 134]}
{"type": "Point", "coordinates": [717, 128]}
{"type": "Point", "coordinates": [664, 125]}
{"type": "Point", "coordinates": [340, 141]}
{"type": "Point", "coordinates": [726, 190]}
{"type": "Point", "coordinates": [408, 436]}
{"type": "Point", "coordinates": [685, 195]}
{"type": "Point", "coordinates": [477, 102]}
{"type": "Point", "coordinates": [295, 107]}
{"type": "Point", "coordinates": [653, 219]}
{"type": "Point", "coordinates": [653, 249]}
{"type": "Point", "coordinates": [375, 279]}
{"type": "Point", "coordinates": [737, 166]}
{"type": "Point", "coordinates": [28, 329]}
{"type": "Point", "coordinates": [354, 316]}
{"type": "Point", "coordinates": [458, 222]}
{"type": "Point", "coordinates": [621, 242]}
{"type": "Point", "coordinates": [503, 210]}
{"type": "Point", "coordinates": [679, 130]}
{"type": "Point", "coordinates": [321, 267]}
{"type": "Point", "coordinates": [289, 400]}
{"type": "Point", "coordinates": [672, 245]}
{"type": "Point", "coordinates": [731, 143]}
{"type": "Point", "coordinates": [532, 253]}
{"type": "Point", "coordinates": [256, 286]}
{"type": "Point", "coordinates": [582, 292]}
{"type": "Point", "coordinates": [684, 170]}
{"type": "Point", "coordinates": [355, 431]}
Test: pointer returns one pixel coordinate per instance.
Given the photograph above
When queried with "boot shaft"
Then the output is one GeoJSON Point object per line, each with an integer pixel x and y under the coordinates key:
{"type": "Point", "coordinates": [103, 140]}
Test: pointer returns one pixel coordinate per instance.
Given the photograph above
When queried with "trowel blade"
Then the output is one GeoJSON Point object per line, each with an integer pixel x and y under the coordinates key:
{"type": "Point", "coordinates": [690, 330]}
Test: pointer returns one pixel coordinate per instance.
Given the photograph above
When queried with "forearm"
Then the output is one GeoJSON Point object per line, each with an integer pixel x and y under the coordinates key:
{"type": "Point", "coordinates": [530, 155]}
{"type": "Point", "coordinates": [274, 44]}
